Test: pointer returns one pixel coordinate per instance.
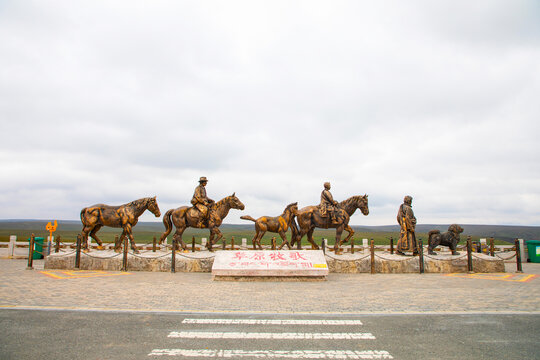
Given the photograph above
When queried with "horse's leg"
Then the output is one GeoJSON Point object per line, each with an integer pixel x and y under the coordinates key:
{"type": "Point", "coordinates": [310, 238]}
{"type": "Point", "coordinates": [118, 242]}
{"type": "Point", "coordinates": [261, 230]}
{"type": "Point", "coordinates": [350, 231]}
{"type": "Point", "coordinates": [84, 236]}
{"type": "Point", "coordinates": [127, 229]}
{"type": "Point", "coordinates": [94, 236]}
{"type": "Point", "coordinates": [339, 230]}
{"type": "Point", "coordinates": [214, 232]}
{"type": "Point", "coordinates": [254, 239]}
{"type": "Point", "coordinates": [284, 237]}
{"type": "Point", "coordinates": [178, 235]}
{"type": "Point", "coordinates": [210, 239]}
{"type": "Point", "coordinates": [259, 237]}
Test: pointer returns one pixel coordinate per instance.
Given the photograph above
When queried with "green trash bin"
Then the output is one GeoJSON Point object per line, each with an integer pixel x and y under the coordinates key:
{"type": "Point", "coordinates": [38, 246]}
{"type": "Point", "coordinates": [533, 247]}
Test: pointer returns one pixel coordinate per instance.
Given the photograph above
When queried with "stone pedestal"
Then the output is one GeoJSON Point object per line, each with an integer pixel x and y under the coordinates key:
{"type": "Point", "coordinates": [386, 263]}
{"type": "Point", "coordinates": [269, 264]}
{"type": "Point", "coordinates": [203, 261]}
{"type": "Point", "coordinates": [108, 260]}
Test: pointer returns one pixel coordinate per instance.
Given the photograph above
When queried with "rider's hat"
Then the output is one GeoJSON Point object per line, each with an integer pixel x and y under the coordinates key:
{"type": "Point", "coordinates": [203, 179]}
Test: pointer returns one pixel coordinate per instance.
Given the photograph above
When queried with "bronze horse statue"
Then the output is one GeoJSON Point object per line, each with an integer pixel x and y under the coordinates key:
{"type": "Point", "coordinates": [278, 224]}
{"type": "Point", "coordinates": [125, 216]}
{"type": "Point", "coordinates": [184, 217]}
{"type": "Point", "coordinates": [310, 217]}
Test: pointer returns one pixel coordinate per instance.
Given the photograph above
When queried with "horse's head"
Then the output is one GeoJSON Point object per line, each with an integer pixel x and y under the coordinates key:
{"type": "Point", "coordinates": [234, 202]}
{"type": "Point", "coordinates": [153, 207]}
{"type": "Point", "coordinates": [293, 208]}
{"type": "Point", "coordinates": [363, 204]}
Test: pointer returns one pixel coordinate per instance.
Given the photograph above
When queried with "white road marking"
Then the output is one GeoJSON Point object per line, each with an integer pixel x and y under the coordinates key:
{"type": "Point", "coordinates": [270, 322]}
{"type": "Point", "coordinates": [276, 336]}
{"type": "Point", "coordinates": [275, 354]}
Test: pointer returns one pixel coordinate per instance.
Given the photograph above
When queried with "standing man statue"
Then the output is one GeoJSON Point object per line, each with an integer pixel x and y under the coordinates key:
{"type": "Point", "coordinates": [328, 205]}
{"type": "Point", "coordinates": [201, 202]}
{"type": "Point", "coordinates": [407, 221]}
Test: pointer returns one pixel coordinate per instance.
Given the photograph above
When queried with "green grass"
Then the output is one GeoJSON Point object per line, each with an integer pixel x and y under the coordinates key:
{"type": "Point", "coordinates": [144, 235]}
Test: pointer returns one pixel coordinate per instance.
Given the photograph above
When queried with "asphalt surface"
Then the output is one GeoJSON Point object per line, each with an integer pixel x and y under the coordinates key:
{"type": "Point", "coordinates": [37, 334]}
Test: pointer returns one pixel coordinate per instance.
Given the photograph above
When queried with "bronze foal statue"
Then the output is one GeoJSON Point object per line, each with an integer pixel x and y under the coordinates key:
{"type": "Point", "coordinates": [279, 224]}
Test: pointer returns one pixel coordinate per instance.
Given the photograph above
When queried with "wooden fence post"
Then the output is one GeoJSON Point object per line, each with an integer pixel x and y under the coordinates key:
{"type": "Point", "coordinates": [193, 244]}
{"type": "Point", "coordinates": [173, 259]}
{"type": "Point", "coordinates": [518, 257]}
{"type": "Point", "coordinates": [352, 246]}
{"type": "Point", "coordinates": [57, 244]}
{"type": "Point", "coordinates": [323, 245]}
{"type": "Point", "coordinates": [154, 244]}
{"type": "Point", "coordinates": [492, 246]}
{"type": "Point", "coordinates": [391, 245]}
{"type": "Point", "coordinates": [372, 257]}
{"type": "Point", "coordinates": [421, 255]}
{"type": "Point", "coordinates": [232, 243]}
{"type": "Point", "coordinates": [469, 255]}
{"type": "Point", "coordinates": [78, 252]}
{"type": "Point", "coordinates": [31, 253]}
{"type": "Point", "coordinates": [125, 257]}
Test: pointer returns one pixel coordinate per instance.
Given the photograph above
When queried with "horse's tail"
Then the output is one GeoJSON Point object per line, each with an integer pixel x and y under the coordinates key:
{"type": "Point", "coordinates": [294, 230]}
{"type": "Point", "coordinates": [247, 217]}
{"type": "Point", "coordinates": [168, 225]}
{"type": "Point", "coordinates": [82, 214]}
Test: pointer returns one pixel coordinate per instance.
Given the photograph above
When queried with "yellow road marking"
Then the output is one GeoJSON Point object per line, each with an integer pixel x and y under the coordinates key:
{"type": "Point", "coordinates": [77, 274]}
{"type": "Point", "coordinates": [496, 276]}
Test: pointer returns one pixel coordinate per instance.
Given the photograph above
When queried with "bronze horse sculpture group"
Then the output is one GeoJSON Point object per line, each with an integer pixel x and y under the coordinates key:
{"type": "Point", "coordinates": [126, 216]}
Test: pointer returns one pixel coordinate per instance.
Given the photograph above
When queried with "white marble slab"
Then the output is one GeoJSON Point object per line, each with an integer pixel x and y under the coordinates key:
{"type": "Point", "coordinates": [270, 263]}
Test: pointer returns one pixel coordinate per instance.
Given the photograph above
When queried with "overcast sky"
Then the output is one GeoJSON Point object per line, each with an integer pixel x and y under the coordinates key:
{"type": "Point", "coordinates": [111, 101]}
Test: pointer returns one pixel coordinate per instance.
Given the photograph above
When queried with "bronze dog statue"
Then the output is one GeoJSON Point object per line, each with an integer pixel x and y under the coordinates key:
{"type": "Point", "coordinates": [449, 238]}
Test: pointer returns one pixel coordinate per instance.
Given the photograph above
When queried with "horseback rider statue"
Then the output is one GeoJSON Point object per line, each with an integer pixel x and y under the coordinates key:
{"type": "Point", "coordinates": [329, 205]}
{"type": "Point", "coordinates": [202, 203]}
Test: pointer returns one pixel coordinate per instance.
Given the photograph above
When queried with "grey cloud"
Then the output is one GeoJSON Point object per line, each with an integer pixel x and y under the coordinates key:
{"type": "Point", "coordinates": [108, 103]}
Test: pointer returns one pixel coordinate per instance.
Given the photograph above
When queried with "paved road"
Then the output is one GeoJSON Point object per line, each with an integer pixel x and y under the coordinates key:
{"type": "Point", "coordinates": [36, 334]}
{"type": "Point", "coordinates": [114, 315]}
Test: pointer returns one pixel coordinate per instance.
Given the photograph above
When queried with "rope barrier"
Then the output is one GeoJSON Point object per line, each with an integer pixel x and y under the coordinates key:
{"type": "Point", "coordinates": [434, 258]}
{"type": "Point", "coordinates": [196, 258]}
{"type": "Point", "coordinates": [407, 259]}
{"type": "Point", "coordinates": [101, 257]}
{"type": "Point", "coordinates": [331, 257]}
{"type": "Point", "coordinates": [478, 257]}
{"type": "Point", "coordinates": [62, 255]}
{"type": "Point", "coordinates": [506, 258]}
{"type": "Point", "coordinates": [151, 257]}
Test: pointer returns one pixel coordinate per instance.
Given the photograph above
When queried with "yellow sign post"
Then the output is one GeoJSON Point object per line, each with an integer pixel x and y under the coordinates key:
{"type": "Point", "coordinates": [51, 228]}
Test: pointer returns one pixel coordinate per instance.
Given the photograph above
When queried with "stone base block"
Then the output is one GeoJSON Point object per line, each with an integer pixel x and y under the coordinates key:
{"type": "Point", "coordinates": [268, 278]}
{"type": "Point", "coordinates": [111, 261]}
{"type": "Point", "coordinates": [386, 263]}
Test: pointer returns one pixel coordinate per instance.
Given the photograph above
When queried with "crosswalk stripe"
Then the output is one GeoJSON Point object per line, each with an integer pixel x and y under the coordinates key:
{"type": "Point", "coordinates": [257, 335]}
{"type": "Point", "coordinates": [270, 322]}
{"type": "Point", "coordinates": [275, 354]}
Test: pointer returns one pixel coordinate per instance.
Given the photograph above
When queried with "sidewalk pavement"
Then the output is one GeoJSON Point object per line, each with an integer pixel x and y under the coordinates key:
{"type": "Point", "coordinates": [341, 293]}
